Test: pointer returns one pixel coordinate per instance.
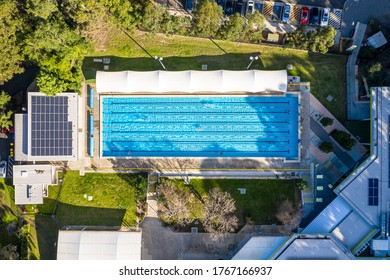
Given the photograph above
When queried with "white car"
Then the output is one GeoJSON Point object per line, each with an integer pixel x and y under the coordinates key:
{"type": "Point", "coordinates": [250, 7]}
{"type": "Point", "coordinates": [3, 169]}
{"type": "Point", "coordinates": [324, 17]}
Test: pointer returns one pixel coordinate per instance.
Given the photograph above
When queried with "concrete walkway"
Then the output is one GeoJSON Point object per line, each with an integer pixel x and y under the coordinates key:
{"type": "Point", "coordinates": [356, 110]}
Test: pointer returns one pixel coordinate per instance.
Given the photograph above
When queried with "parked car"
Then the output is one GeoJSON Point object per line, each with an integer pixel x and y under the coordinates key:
{"type": "Point", "coordinates": [304, 15]}
{"type": "Point", "coordinates": [250, 7]}
{"type": "Point", "coordinates": [314, 17]}
{"type": "Point", "coordinates": [239, 7]}
{"type": "Point", "coordinates": [286, 13]}
{"type": "Point", "coordinates": [259, 7]}
{"type": "Point", "coordinates": [221, 3]}
{"type": "Point", "coordinates": [324, 17]}
{"type": "Point", "coordinates": [190, 5]}
{"type": "Point", "coordinates": [229, 9]}
{"type": "Point", "coordinates": [3, 169]}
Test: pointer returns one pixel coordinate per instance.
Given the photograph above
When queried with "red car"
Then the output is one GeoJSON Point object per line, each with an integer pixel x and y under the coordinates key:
{"type": "Point", "coordinates": [304, 16]}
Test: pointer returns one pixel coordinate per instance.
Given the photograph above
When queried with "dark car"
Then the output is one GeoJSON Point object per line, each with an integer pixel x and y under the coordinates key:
{"type": "Point", "coordinates": [190, 5]}
{"type": "Point", "coordinates": [229, 9]}
{"type": "Point", "coordinates": [314, 16]}
{"type": "Point", "coordinates": [221, 3]}
{"type": "Point", "coordinates": [304, 15]}
{"type": "Point", "coordinates": [239, 7]}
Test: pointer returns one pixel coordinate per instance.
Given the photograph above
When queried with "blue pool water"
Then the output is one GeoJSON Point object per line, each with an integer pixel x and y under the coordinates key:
{"type": "Point", "coordinates": [200, 126]}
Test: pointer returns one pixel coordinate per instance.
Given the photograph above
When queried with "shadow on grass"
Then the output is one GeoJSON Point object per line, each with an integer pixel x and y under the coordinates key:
{"type": "Point", "coordinates": [70, 215]}
{"type": "Point", "coordinates": [229, 61]}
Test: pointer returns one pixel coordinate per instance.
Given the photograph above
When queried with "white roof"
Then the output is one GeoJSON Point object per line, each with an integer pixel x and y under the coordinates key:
{"type": "Point", "coordinates": [260, 247]}
{"type": "Point", "coordinates": [355, 188]}
{"type": "Point", "coordinates": [330, 217]}
{"type": "Point", "coordinates": [98, 245]}
{"type": "Point", "coordinates": [381, 245]}
{"type": "Point", "coordinates": [32, 174]}
{"type": "Point", "coordinates": [21, 148]}
{"type": "Point", "coordinates": [312, 248]}
{"type": "Point", "coordinates": [377, 40]}
{"type": "Point", "coordinates": [191, 81]}
{"type": "Point", "coordinates": [352, 230]}
{"type": "Point", "coordinates": [28, 194]}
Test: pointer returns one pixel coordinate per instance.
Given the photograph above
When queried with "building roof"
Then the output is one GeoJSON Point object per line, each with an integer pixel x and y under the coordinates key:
{"type": "Point", "coordinates": [259, 247]}
{"type": "Point", "coordinates": [191, 81]}
{"type": "Point", "coordinates": [28, 194]}
{"type": "Point", "coordinates": [312, 247]}
{"type": "Point", "coordinates": [32, 174]}
{"type": "Point", "coordinates": [99, 245]}
{"type": "Point", "coordinates": [52, 126]}
{"type": "Point", "coordinates": [355, 189]}
{"type": "Point", "coordinates": [29, 181]}
{"type": "Point", "coordinates": [377, 40]}
{"type": "Point", "coordinates": [21, 150]}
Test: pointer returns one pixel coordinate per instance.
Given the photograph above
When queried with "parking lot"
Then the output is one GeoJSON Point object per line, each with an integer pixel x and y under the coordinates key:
{"type": "Point", "coordinates": [272, 11]}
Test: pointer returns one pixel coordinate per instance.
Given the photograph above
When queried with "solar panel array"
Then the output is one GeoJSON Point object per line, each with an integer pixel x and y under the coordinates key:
{"type": "Point", "coordinates": [51, 130]}
{"type": "Point", "coordinates": [373, 192]}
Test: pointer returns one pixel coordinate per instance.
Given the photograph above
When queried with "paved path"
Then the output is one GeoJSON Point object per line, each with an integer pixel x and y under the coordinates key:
{"type": "Point", "coordinates": [355, 110]}
{"type": "Point", "coordinates": [323, 135]}
{"type": "Point", "coordinates": [363, 11]}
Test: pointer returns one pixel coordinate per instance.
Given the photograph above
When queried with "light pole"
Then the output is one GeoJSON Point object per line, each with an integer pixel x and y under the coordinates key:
{"type": "Point", "coordinates": [159, 59]}
{"type": "Point", "coordinates": [252, 58]}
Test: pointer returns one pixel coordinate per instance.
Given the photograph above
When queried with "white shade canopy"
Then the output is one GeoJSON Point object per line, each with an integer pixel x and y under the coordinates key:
{"type": "Point", "coordinates": [191, 81]}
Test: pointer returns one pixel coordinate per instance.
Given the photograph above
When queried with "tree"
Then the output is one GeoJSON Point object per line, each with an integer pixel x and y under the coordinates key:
{"type": "Point", "coordinates": [317, 41]}
{"type": "Point", "coordinates": [326, 147]}
{"type": "Point", "coordinates": [9, 252]}
{"type": "Point", "coordinates": [218, 218]}
{"type": "Point", "coordinates": [152, 17]}
{"type": "Point", "coordinates": [256, 24]}
{"type": "Point", "coordinates": [207, 18]}
{"type": "Point", "coordinates": [235, 28]}
{"type": "Point", "coordinates": [302, 185]}
{"type": "Point", "coordinates": [175, 202]}
{"type": "Point", "coordinates": [41, 8]}
{"type": "Point", "coordinates": [287, 214]}
{"type": "Point", "coordinates": [11, 26]}
{"type": "Point", "coordinates": [343, 138]}
{"type": "Point", "coordinates": [50, 83]}
{"type": "Point", "coordinates": [5, 117]}
{"type": "Point", "coordinates": [298, 38]}
{"type": "Point", "coordinates": [4, 100]}
{"type": "Point", "coordinates": [325, 121]}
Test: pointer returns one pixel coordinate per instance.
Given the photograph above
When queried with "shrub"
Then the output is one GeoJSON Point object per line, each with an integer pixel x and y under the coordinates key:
{"type": "Point", "coordinates": [343, 138]}
{"type": "Point", "coordinates": [326, 147]}
{"type": "Point", "coordinates": [325, 121]}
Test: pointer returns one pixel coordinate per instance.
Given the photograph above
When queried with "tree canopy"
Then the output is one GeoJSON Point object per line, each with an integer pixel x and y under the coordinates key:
{"type": "Point", "coordinates": [11, 26]}
{"type": "Point", "coordinates": [208, 16]}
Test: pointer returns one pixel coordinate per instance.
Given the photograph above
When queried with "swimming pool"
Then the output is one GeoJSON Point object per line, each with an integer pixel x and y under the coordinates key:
{"type": "Point", "coordinates": [200, 126]}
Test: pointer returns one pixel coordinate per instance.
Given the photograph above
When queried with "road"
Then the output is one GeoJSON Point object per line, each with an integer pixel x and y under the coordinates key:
{"type": "Point", "coordinates": [363, 11]}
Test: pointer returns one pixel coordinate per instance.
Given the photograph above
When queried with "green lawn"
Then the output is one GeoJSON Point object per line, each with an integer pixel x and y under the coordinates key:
{"type": "Point", "coordinates": [9, 212]}
{"type": "Point", "coordinates": [113, 203]}
{"type": "Point", "coordinates": [325, 72]}
{"type": "Point", "coordinates": [260, 202]}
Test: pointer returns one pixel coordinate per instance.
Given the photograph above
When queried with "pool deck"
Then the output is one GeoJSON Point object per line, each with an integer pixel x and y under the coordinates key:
{"type": "Point", "coordinates": [215, 165]}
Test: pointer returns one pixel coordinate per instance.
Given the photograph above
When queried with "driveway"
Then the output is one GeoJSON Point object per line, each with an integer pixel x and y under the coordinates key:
{"type": "Point", "coordinates": [363, 11]}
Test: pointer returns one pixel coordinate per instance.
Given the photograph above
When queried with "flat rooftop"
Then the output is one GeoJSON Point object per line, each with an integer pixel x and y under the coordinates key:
{"type": "Point", "coordinates": [52, 126]}
{"type": "Point", "coordinates": [368, 188]}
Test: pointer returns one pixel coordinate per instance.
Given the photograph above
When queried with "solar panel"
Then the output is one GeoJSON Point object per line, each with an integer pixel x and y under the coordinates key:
{"type": "Point", "coordinates": [373, 192]}
{"type": "Point", "coordinates": [51, 130]}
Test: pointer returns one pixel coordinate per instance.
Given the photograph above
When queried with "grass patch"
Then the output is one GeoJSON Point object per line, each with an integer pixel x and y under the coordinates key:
{"type": "Point", "coordinates": [325, 72]}
{"type": "Point", "coordinates": [113, 202]}
{"type": "Point", "coordinates": [9, 213]}
{"type": "Point", "coordinates": [259, 204]}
